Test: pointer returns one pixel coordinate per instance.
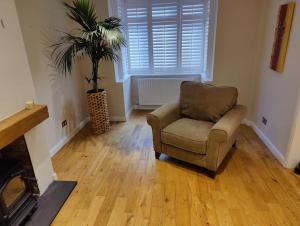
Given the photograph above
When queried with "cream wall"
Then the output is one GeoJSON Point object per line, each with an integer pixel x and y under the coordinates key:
{"type": "Point", "coordinates": [14, 71]}
{"type": "Point", "coordinates": [114, 89]}
{"type": "Point", "coordinates": [244, 37]}
{"type": "Point", "coordinates": [127, 90]}
{"type": "Point", "coordinates": [16, 87]}
{"type": "Point", "coordinates": [238, 42]}
{"type": "Point", "coordinates": [293, 153]}
{"type": "Point", "coordinates": [65, 96]}
{"type": "Point", "coordinates": [277, 94]}
{"type": "Point", "coordinates": [237, 45]}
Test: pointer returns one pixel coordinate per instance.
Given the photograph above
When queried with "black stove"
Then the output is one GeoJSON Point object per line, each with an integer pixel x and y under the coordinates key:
{"type": "Point", "coordinates": [17, 199]}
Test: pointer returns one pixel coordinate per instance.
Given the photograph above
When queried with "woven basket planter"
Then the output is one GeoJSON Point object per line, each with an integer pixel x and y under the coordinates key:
{"type": "Point", "coordinates": [98, 109]}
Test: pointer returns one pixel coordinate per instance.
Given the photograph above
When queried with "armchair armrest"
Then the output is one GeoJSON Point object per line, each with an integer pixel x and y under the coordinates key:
{"type": "Point", "coordinates": [161, 118]}
{"type": "Point", "coordinates": [223, 130]}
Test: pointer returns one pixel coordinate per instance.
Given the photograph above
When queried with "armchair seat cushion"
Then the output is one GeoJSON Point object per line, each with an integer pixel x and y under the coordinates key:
{"type": "Point", "coordinates": [187, 134]}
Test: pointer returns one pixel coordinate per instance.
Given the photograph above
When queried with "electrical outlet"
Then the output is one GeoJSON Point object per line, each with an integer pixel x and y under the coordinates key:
{"type": "Point", "coordinates": [264, 121]}
{"type": "Point", "coordinates": [64, 123]}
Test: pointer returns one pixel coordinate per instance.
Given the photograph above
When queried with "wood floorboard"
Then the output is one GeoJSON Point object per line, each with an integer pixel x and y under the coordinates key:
{"type": "Point", "coordinates": [121, 183]}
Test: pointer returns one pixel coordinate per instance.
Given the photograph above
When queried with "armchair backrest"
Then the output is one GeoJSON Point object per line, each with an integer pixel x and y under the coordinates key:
{"type": "Point", "coordinates": [206, 102]}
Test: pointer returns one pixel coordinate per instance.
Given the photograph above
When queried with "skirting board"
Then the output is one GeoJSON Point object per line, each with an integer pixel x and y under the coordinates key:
{"type": "Point", "coordinates": [68, 137]}
{"type": "Point", "coordinates": [267, 142]}
{"type": "Point", "coordinates": [145, 107]}
{"type": "Point", "coordinates": [54, 176]}
{"type": "Point", "coordinates": [129, 112]}
{"type": "Point", "coordinates": [122, 118]}
{"type": "Point", "coordinates": [82, 124]}
{"type": "Point", "coordinates": [117, 118]}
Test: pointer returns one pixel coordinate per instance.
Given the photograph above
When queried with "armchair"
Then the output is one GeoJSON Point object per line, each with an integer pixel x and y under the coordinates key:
{"type": "Point", "coordinates": [200, 142]}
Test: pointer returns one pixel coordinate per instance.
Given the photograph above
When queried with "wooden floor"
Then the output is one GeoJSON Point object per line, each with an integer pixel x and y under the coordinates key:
{"type": "Point", "coordinates": [121, 183]}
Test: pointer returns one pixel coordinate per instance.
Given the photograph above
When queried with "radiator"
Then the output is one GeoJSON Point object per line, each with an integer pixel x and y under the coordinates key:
{"type": "Point", "coordinates": [159, 91]}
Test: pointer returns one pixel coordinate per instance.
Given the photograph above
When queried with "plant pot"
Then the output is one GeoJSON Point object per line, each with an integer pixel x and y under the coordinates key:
{"type": "Point", "coordinates": [98, 109]}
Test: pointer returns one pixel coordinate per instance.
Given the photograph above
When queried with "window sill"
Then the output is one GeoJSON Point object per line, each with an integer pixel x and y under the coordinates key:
{"type": "Point", "coordinates": [166, 75]}
{"type": "Point", "coordinates": [195, 77]}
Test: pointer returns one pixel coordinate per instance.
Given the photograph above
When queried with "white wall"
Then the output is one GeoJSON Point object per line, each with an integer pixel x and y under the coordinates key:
{"type": "Point", "coordinates": [65, 95]}
{"type": "Point", "coordinates": [16, 87]}
{"type": "Point", "coordinates": [277, 94]}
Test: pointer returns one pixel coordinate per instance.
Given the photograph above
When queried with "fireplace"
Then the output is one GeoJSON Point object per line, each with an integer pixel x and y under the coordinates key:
{"type": "Point", "coordinates": [19, 190]}
{"type": "Point", "coordinates": [18, 186]}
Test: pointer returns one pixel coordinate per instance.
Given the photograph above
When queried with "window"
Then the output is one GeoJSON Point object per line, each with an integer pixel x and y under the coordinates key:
{"type": "Point", "coordinates": [168, 37]}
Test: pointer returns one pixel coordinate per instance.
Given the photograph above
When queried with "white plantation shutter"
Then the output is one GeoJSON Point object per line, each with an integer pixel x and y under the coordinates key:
{"type": "Point", "coordinates": [164, 35]}
{"type": "Point", "coordinates": [138, 46]}
{"type": "Point", "coordinates": [137, 36]}
{"type": "Point", "coordinates": [194, 34]}
{"type": "Point", "coordinates": [170, 37]}
{"type": "Point", "coordinates": [164, 46]}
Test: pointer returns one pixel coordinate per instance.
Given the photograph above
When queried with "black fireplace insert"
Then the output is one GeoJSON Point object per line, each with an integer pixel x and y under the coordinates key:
{"type": "Point", "coordinates": [17, 198]}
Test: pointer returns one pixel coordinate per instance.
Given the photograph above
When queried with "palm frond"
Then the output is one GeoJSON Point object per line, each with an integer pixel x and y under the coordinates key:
{"type": "Point", "coordinates": [66, 50]}
{"type": "Point", "coordinates": [109, 55]}
{"type": "Point", "coordinates": [96, 39]}
{"type": "Point", "coordinates": [110, 30]}
{"type": "Point", "coordinates": [112, 22]}
{"type": "Point", "coordinates": [90, 35]}
{"type": "Point", "coordinates": [112, 35]}
{"type": "Point", "coordinates": [83, 13]}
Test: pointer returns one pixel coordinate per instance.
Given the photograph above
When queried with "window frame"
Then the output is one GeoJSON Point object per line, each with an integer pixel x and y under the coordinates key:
{"type": "Point", "coordinates": [121, 67]}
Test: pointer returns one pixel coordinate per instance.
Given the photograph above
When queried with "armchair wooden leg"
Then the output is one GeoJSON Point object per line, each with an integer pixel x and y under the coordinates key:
{"type": "Point", "coordinates": [234, 144]}
{"type": "Point", "coordinates": [157, 155]}
{"type": "Point", "coordinates": [211, 174]}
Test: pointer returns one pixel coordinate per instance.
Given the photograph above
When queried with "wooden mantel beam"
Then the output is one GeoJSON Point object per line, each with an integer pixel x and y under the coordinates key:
{"type": "Point", "coordinates": [18, 124]}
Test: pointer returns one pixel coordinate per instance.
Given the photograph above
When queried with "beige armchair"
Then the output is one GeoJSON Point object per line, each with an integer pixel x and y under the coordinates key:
{"type": "Point", "coordinates": [201, 142]}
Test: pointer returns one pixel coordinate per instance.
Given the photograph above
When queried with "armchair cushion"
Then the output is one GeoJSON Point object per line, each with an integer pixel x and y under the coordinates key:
{"type": "Point", "coordinates": [187, 134]}
{"type": "Point", "coordinates": [206, 102]}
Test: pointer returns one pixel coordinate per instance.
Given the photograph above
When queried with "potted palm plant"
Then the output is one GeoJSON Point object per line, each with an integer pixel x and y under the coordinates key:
{"type": "Point", "coordinates": [96, 39]}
